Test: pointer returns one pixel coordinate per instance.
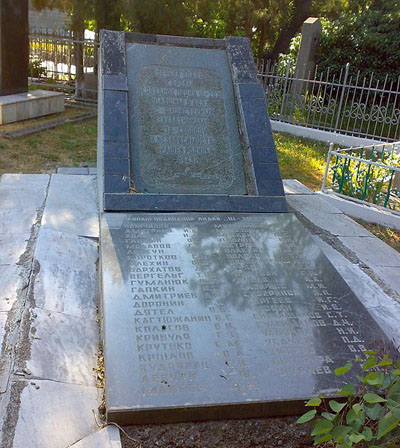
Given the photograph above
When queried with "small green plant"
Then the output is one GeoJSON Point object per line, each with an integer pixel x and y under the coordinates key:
{"type": "Point", "coordinates": [368, 415]}
{"type": "Point", "coordinates": [35, 69]}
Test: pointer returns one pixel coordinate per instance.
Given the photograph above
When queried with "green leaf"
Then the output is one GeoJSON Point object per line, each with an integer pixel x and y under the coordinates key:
{"type": "Point", "coordinates": [371, 352]}
{"type": "Point", "coordinates": [336, 406]}
{"type": "Point", "coordinates": [322, 427]}
{"type": "Point", "coordinates": [342, 370]}
{"type": "Point", "coordinates": [339, 432]}
{"type": "Point", "coordinates": [328, 416]}
{"type": "Point", "coordinates": [351, 416]}
{"type": "Point", "coordinates": [386, 361]}
{"type": "Point", "coordinates": [306, 417]}
{"type": "Point", "coordinates": [345, 445]}
{"type": "Point", "coordinates": [368, 435]}
{"type": "Point", "coordinates": [322, 438]}
{"type": "Point", "coordinates": [348, 389]}
{"type": "Point", "coordinates": [355, 438]}
{"type": "Point", "coordinates": [396, 372]}
{"type": "Point", "coordinates": [357, 408]}
{"type": "Point", "coordinates": [373, 398]}
{"type": "Point", "coordinates": [387, 424]}
{"type": "Point", "coordinates": [374, 378]}
{"type": "Point", "coordinates": [394, 392]}
{"type": "Point", "coordinates": [369, 363]}
{"type": "Point", "coordinates": [373, 412]}
{"type": "Point", "coordinates": [314, 402]}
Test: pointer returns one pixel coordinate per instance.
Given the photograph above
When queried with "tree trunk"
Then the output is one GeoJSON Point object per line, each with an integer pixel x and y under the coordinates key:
{"type": "Point", "coordinates": [300, 14]}
{"type": "Point", "coordinates": [78, 28]}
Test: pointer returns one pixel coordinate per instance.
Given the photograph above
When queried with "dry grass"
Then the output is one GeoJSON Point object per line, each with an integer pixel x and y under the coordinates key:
{"type": "Point", "coordinates": [386, 234]}
{"type": "Point", "coordinates": [66, 145]}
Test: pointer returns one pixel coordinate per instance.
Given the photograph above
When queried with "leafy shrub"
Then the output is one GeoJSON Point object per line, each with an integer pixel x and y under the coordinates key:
{"type": "Point", "coordinates": [368, 415]}
{"type": "Point", "coordinates": [369, 40]}
{"type": "Point", "coordinates": [35, 68]}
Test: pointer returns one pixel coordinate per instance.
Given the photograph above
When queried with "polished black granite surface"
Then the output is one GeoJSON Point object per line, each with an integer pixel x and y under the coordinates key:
{"type": "Point", "coordinates": [222, 316]}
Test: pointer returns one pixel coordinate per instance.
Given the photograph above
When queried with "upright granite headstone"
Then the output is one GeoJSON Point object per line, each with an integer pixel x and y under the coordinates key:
{"type": "Point", "coordinates": [14, 46]}
{"type": "Point", "coordinates": [221, 306]}
{"type": "Point", "coordinates": [16, 103]}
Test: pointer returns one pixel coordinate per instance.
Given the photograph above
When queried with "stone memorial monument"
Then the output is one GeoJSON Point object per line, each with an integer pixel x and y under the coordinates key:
{"type": "Point", "coordinates": [16, 103]}
{"type": "Point", "coordinates": [216, 302]}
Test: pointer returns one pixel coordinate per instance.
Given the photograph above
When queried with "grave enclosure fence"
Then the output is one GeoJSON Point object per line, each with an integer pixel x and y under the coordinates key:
{"type": "Point", "coordinates": [343, 103]}
{"type": "Point", "coordinates": [347, 103]}
{"type": "Point", "coordinates": [57, 60]}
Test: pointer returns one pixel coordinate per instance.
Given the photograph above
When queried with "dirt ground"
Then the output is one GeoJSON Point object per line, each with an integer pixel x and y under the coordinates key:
{"type": "Point", "coordinates": [264, 432]}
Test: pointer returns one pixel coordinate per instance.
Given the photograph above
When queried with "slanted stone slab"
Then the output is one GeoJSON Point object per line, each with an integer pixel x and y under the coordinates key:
{"type": "Point", "coordinates": [212, 316]}
{"type": "Point", "coordinates": [183, 126]}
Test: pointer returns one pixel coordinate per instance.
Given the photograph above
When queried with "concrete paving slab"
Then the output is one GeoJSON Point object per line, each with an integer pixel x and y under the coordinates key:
{"type": "Point", "coordinates": [372, 251]}
{"type": "Point", "coordinates": [16, 221]}
{"type": "Point", "coordinates": [65, 290]}
{"type": "Point", "coordinates": [336, 224]}
{"type": "Point", "coordinates": [73, 171]}
{"type": "Point", "coordinates": [104, 438]}
{"type": "Point", "coordinates": [306, 203]}
{"type": "Point", "coordinates": [63, 347]}
{"type": "Point", "coordinates": [93, 171]}
{"type": "Point", "coordinates": [28, 182]}
{"type": "Point", "coordinates": [12, 279]}
{"type": "Point", "coordinates": [22, 199]}
{"type": "Point", "coordinates": [391, 276]}
{"type": "Point", "coordinates": [3, 320]}
{"type": "Point", "coordinates": [54, 415]}
{"type": "Point", "coordinates": [72, 205]}
{"type": "Point", "coordinates": [293, 186]}
{"type": "Point", "coordinates": [369, 292]}
{"type": "Point", "coordinates": [64, 249]}
{"type": "Point", "coordinates": [13, 246]}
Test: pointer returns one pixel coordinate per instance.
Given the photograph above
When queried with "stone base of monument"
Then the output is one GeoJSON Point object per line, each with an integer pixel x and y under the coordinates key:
{"type": "Point", "coordinates": [32, 104]}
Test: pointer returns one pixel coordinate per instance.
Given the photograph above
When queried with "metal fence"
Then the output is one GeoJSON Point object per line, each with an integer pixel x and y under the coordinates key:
{"type": "Point", "coordinates": [56, 54]}
{"type": "Point", "coordinates": [367, 174]}
{"type": "Point", "coordinates": [344, 103]}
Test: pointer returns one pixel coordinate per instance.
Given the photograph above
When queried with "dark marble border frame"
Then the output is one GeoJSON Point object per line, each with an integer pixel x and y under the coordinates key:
{"type": "Point", "coordinates": [113, 142]}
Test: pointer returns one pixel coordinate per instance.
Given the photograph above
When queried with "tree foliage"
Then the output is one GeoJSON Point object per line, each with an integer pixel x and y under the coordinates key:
{"type": "Point", "coordinates": [369, 39]}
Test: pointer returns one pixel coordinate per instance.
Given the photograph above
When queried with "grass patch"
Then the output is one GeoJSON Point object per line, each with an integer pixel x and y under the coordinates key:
{"type": "Point", "coordinates": [301, 159]}
{"type": "Point", "coordinates": [386, 234]}
{"type": "Point", "coordinates": [72, 144]}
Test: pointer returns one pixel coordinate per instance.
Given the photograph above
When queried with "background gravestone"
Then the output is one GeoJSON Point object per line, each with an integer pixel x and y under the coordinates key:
{"type": "Point", "coordinates": [14, 46]}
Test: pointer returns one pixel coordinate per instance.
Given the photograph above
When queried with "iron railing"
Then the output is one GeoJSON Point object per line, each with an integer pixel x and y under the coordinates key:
{"type": "Point", "coordinates": [367, 174]}
{"type": "Point", "coordinates": [345, 103]}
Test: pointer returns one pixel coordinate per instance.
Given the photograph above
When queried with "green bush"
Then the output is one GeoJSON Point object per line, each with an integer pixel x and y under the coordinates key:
{"type": "Point", "coordinates": [35, 69]}
{"type": "Point", "coordinates": [369, 413]}
{"type": "Point", "coordinates": [369, 41]}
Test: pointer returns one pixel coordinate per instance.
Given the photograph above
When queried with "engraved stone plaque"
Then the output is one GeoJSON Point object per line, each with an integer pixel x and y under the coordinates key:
{"type": "Point", "coordinates": [222, 315]}
{"type": "Point", "coordinates": [183, 123]}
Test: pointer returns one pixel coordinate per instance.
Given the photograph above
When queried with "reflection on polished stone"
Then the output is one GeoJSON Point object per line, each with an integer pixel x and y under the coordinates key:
{"type": "Point", "coordinates": [222, 315]}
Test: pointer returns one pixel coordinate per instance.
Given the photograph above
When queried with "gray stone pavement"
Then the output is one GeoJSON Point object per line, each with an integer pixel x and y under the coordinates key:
{"type": "Point", "coordinates": [48, 301]}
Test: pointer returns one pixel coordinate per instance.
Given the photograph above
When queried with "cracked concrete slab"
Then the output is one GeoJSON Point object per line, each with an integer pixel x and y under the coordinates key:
{"type": "Point", "coordinates": [104, 438]}
{"type": "Point", "coordinates": [62, 347]}
{"type": "Point", "coordinates": [336, 224]}
{"type": "Point", "coordinates": [16, 221]}
{"type": "Point", "coordinates": [13, 278]}
{"type": "Point", "coordinates": [28, 182]}
{"type": "Point", "coordinates": [64, 249]}
{"type": "Point", "coordinates": [372, 251]}
{"type": "Point", "coordinates": [51, 414]}
{"type": "Point", "coordinates": [293, 186]}
{"type": "Point", "coordinates": [67, 290]}
{"type": "Point", "coordinates": [12, 246]}
{"type": "Point", "coordinates": [305, 203]}
{"type": "Point", "coordinates": [20, 199]}
{"type": "Point", "coordinates": [72, 205]}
